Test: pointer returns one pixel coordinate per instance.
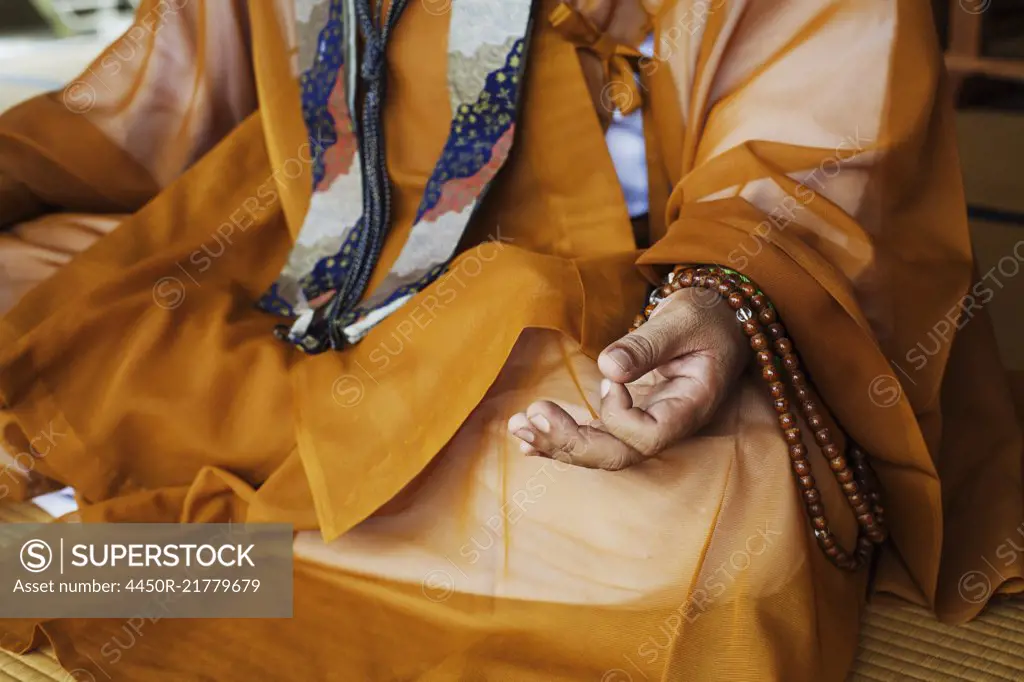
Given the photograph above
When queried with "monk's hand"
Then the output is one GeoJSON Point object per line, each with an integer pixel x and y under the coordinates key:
{"type": "Point", "coordinates": [662, 383]}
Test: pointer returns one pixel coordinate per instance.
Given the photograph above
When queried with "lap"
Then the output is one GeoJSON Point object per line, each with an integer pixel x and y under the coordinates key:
{"type": "Point", "coordinates": [484, 519]}
{"type": "Point", "coordinates": [707, 539]}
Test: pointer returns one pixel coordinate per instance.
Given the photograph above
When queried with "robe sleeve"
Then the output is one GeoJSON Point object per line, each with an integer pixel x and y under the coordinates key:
{"type": "Point", "coordinates": [809, 144]}
{"type": "Point", "coordinates": [151, 104]}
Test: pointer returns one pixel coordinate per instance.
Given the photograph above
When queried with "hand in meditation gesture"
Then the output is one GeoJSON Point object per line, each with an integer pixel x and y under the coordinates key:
{"type": "Point", "coordinates": [662, 383]}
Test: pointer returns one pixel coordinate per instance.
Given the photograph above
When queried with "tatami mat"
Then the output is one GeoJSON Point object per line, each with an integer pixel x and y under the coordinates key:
{"type": "Point", "coordinates": [897, 643]}
{"type": "Point", "coordinates": [905, 643]}
{"type": "Point", "coordinates": [36, 667]}
{"type": "Point", "coordinates": [33, 668]}
{"type": "Point", "coordinates": [22, 513]}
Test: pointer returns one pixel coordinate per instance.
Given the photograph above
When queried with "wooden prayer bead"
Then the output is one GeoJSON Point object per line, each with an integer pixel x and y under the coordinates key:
{"type": "Point", "coordinates": [768, 339]}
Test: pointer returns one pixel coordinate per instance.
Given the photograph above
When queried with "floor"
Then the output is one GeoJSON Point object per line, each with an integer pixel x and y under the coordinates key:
{"type": "Point", "coordinates": [897, 643]}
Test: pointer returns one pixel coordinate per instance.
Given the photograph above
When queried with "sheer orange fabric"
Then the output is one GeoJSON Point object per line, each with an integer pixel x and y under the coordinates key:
{"type": "Point", "coordinates": [807, 143]}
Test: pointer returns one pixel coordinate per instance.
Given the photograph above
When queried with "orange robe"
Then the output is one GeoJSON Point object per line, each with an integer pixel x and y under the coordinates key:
{"type": "Point", "coordinates": [806, 143]}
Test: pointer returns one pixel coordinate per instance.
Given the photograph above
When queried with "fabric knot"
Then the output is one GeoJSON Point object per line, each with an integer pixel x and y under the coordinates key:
{"type": "Point", "coordinates": [373, 59]}
{"type": "Point", "coordinates": [619, 90]}
{"type": "Point", "coordinates": [578, 29]}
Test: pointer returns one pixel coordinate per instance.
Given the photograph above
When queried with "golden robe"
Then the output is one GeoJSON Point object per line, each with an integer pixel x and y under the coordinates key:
{"type": "Point", "coordinates": [807, 143]}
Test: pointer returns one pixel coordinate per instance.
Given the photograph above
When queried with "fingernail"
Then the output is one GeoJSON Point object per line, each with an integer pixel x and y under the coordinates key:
{"type": "Point", "coordinates": [605, 387]}
{"type": "Point", "coordinates": [526, 449]}
{"type": "Point", "coordinates": [542, 424]}
{"type": "Point", "coordinates": [525, 435]}
{"type": "Point", "coordinates": [620, 358]}
{"type": "Point", "coordinates": [517, 421]}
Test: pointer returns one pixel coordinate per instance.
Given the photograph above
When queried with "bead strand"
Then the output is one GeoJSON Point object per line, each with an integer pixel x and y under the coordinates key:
{"type": "Point", "coordinates": [778, 362]}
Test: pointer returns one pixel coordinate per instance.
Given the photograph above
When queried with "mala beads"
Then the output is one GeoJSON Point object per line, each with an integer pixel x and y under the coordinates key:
{"type": "Point", "coordinates": [780, 366]}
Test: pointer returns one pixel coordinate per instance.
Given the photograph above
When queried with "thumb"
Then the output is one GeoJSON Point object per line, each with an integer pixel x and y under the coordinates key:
{"type": "Point", "coordinates": [658, 341]}
{"type": "Point", "coordinates": [685, 322]}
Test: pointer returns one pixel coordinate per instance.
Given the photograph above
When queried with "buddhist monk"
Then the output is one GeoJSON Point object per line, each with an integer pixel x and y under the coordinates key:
{"type": "Point", "coordinates": [594, 340]}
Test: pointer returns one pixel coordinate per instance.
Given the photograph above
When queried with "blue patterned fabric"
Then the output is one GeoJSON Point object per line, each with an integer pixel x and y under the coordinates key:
{"type": "Point", "coordinates": [478, 145]}
{"type": "Point", "coordinates": [315, 86]}
{"type": "Point", "coordinates": [476, 129]}
{"type": "Point", "coordinates": [474, 132]}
